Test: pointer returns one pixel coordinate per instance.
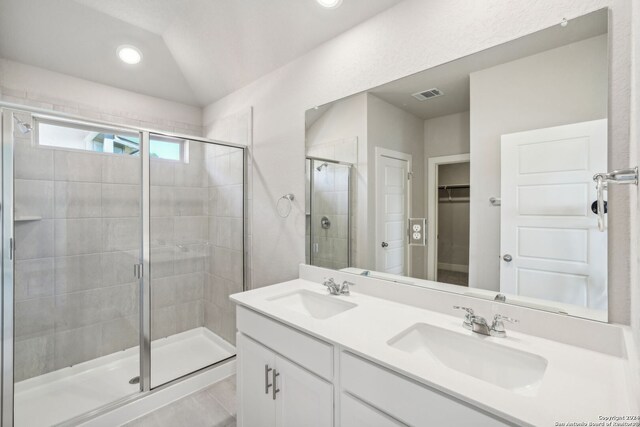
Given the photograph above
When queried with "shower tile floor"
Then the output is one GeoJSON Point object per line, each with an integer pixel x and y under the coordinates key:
{"type": "Point", "coordinates": [58, 396]}
{"type": "Point", "coordinates": [214, 406]}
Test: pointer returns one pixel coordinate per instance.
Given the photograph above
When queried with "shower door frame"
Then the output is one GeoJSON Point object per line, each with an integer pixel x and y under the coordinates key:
{"type": "Point", "coordinates": [349, 199]}
{"type": "Point", "coordinates": [7, 111]}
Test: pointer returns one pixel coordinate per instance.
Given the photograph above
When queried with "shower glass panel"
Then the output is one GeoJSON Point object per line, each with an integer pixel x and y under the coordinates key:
{"type": "Point", "coordinates": [328, 213]}
{"type": "Point", "coordinates": [77, 230]}
{"type": "Point", "coordinates": [196, 253]}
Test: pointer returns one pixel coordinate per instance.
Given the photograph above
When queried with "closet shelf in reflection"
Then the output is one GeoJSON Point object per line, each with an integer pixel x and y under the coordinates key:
{"type": "Point", "coordinates": [454, 199]}
{"type": "Point", "coordinates": [453, 186]}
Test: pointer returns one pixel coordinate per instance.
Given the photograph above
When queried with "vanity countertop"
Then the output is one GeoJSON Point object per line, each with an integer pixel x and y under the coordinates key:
{"type": "Point", "coordinates": [579, 385]}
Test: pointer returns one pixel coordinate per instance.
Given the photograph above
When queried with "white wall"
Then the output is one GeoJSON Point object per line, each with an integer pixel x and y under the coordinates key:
{"type": "Point", "coordinates": [446, 135]}
{"type": "Point", "coordinates": [394, 129]}
{"type": "Point", "coordinates": [410, 37]}
{"type": "Point", "coordinates": [560, 86]}
{"type": "Point", "coordinates": [635, 156]}
{"type": "Point", "coordinates": [40, 88]}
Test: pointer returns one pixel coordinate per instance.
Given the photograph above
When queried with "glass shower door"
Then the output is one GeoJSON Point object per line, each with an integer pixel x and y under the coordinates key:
{"type": "Point", "coordinates": [329, 216]}
{"type": "Point", "coordinates": [196, 253]}
{"type": "Point", "coordinates": [76, 239]}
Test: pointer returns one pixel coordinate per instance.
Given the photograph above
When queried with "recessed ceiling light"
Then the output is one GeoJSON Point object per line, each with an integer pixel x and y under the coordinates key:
{"type": "Point", "coordinates": [129, 54]}
{"type": "Point", "coordinates": [330, 4]}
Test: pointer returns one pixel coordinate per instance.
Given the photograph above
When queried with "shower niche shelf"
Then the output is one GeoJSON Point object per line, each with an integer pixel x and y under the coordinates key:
{"type": "Point", "coordinates": [26, 218]}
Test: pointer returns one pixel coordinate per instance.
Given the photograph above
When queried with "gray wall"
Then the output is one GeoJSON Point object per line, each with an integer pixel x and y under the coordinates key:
{"type": "Point", "coordinates": [561, 86]}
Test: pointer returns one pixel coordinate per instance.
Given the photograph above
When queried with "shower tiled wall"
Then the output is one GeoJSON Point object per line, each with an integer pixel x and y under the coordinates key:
{"type": "Point", "coordinates": [225, 267]}
{"type": "Point", "coordinates": [77, 238]}
{"type": "Point", "coordinates": [331, 199]}
{"type": "Point", "coordinates": [77, 233]}
{"type": "Point", "coordinates": [179, 242]}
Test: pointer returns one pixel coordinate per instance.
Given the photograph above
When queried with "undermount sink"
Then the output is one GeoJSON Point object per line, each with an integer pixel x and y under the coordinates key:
{"type": "Point", "coordinates": [474, 355]}
{"type": "Point", "coordinates": [313, 304]}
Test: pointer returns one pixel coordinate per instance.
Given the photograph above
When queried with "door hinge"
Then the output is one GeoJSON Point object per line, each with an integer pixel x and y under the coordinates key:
{"type": "Point", "coordinates": [137, 271]}
{"type": "Point", "coordinates": [12, 248]}
{"type": "Point", "coordinates": [409, 175]}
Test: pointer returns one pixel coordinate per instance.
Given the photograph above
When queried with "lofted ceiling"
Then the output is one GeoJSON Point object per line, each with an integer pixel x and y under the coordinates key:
{"type": "Point", "coordinates": [194, 51]}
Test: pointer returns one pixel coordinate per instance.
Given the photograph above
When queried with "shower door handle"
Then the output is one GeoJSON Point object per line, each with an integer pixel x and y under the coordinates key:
{"type": "Point", "coordinates": [384, 244]}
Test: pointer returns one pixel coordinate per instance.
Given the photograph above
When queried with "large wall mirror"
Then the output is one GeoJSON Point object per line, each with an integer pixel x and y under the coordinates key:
{"type": "Point", "coordinates": [475, 176]}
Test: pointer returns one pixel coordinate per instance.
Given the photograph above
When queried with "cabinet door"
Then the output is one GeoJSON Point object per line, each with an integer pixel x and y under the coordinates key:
{"type": "Point", "coordinates": [354, 413]}
{"type": "Point", "coordinates": [256, 407]}
{"type": "Point", "coordinates": [304, 400]}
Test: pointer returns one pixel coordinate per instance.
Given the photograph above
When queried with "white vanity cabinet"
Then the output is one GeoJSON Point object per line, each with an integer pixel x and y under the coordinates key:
{"type": "Point", "coordinates": [405, 400]}
{"type": "Point", "coordinates": [273, 390]}
{"type": "Point", "coordinates": [288, 378]}
{"type": "Point", "coordinates": [276, 392]}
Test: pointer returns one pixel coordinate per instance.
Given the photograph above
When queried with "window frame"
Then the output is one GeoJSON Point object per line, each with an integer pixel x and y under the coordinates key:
{"type": "Point", "coordinates": [182, 142]}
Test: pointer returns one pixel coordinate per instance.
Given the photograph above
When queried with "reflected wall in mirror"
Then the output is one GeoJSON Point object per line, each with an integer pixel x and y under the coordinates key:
{"type": "Point", "coordinates": [475, 176]}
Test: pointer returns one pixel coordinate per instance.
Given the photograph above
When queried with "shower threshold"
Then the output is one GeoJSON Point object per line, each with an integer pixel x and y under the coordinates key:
{"type": "Point", "coordinates": [66, 393]}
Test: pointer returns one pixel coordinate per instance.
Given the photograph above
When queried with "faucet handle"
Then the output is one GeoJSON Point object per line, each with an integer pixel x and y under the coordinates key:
{"type": "Point", "coordinates": [344, 288]}
{"type": "Point", "coordinates": [467, 317]}
{"type": "Point", "coordinates": [497, 327]}
{"type": "Point", "coordinates": [500, 317]}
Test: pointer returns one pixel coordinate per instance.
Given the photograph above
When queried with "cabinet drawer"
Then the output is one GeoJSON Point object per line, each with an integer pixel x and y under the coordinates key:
{"type": "Point", "coordinates": [354, 413]}
{"type": "Point", "coordinates": [405, 399]}
{"type": "Point", "coordinates": [307, 351]}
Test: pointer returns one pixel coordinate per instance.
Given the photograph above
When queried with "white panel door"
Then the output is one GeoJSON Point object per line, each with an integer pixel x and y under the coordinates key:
{"type": "Point", "coordinates": [547, 226]}
{"type": "Point", "coordinates": [256, 407]}
{"type": "Point", "coordinates": [304, 400]}
{"type": "Point", "coordinates": [391, 215]}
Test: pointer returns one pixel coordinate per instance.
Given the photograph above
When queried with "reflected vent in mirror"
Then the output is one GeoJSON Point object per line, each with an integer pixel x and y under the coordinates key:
{"type": "Point", "coordinates": [428, 94]}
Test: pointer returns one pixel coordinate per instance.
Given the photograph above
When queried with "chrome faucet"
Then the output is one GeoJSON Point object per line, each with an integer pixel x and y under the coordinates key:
{"type": "Point", "coordinates": [335, 289]}
{"type": "Point", "coordinates": [479, 325]}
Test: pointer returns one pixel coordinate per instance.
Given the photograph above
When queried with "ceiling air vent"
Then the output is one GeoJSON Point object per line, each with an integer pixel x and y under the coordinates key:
{"type": "Point", "coordinates": [427, 94]}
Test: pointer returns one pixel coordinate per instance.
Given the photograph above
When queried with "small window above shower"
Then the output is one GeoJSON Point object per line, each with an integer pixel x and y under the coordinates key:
{"type": "Point", "coordinates": [59, 135]}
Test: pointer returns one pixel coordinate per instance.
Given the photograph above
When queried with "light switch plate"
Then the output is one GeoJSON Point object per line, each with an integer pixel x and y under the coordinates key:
{"type": "Point", "coordinates": [417, 231]}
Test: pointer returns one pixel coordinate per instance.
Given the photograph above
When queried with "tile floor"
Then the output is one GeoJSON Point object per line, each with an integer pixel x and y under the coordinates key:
{"type": "Point", "coordinates": [214, 406]}
{"type": "Point", "coordinates": [453, 277]}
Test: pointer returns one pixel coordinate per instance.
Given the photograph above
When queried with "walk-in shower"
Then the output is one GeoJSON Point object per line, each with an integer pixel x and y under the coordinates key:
{"type": "Point", "coordinates": [328, 208]}
{"type": "Point", "coordinates": [120, 249]}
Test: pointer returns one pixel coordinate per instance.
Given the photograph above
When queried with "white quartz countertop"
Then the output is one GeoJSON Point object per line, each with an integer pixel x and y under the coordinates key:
{"type": "Point", "coordinates": [579, 385]}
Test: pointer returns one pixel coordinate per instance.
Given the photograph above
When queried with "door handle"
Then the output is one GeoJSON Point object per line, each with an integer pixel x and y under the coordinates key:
{"type": "Point", "coordinates": [267, 369]}
{"type": "Point", "coordinates": [276, 390]}
{"type": "Point", "coordinates": [507, 258]}
{"type": "Point", "coordinates": [385, 244]}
